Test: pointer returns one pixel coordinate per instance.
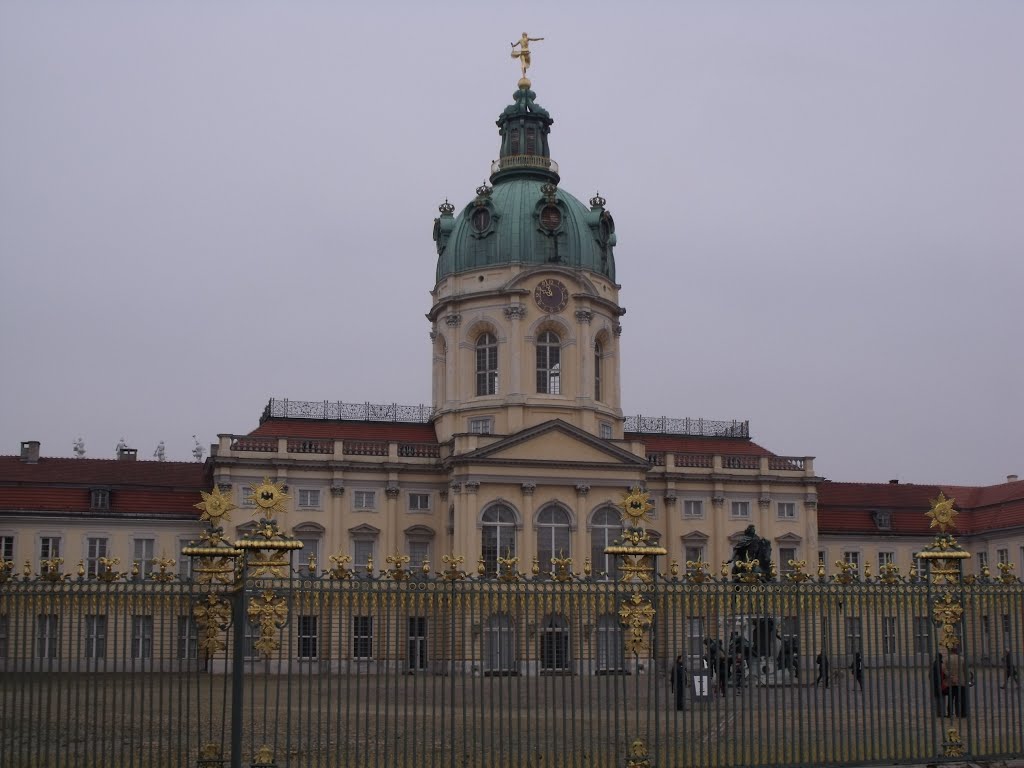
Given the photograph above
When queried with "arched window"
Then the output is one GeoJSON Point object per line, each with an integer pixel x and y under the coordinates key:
{"type": "Point", "coordinates": [554, 643]}
{"type": "Point", "coordinates": [611, 655]}
{"type": "Point", "coordinates": [499, 645]}
{"type": "Point", "coordinates": [549, 348]}
{"type": "Point", "coordinates": [597, 370]}
{"type": "Point", "coordinates": [498, 536]}
{"type": "Point", "coordinates": [486, 365]}
{"type": "Point", "coordinates": [552, 536]}
{"type": "Point", "coordinates": [605, 528]}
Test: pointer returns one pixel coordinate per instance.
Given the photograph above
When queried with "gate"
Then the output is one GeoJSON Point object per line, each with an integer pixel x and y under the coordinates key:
{"type": "Point", "coordinates": [255, 662]}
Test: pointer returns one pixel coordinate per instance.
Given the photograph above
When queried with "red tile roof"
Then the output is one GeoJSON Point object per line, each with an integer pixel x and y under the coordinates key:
{"type": "Point", "coordinates": [845, 508]}
{"type": "Point", "coordinates": [347, 430]}
{"type": "Point", "coordinates": [136, 487]}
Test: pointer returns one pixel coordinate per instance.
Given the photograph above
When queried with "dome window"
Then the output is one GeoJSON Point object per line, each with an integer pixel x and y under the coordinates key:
{"type": "Point", "coordinates": [481, 219]}
{"type": "Point", "coordinates": [550, 217]}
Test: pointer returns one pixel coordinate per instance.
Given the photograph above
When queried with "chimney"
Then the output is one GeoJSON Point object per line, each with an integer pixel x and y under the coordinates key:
{"type": "Point", "coordinates": [30, 451]}
{"type": "Point", "coordinates": [1009, 478]}
{"type": "Point", "coordinates": [127, 454]}
{"type": "Point", "coordinates": [894, 482]}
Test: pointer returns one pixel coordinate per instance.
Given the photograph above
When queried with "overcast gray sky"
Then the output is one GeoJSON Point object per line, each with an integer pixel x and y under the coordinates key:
{"type": "Point", "coordinates": [820, 209]}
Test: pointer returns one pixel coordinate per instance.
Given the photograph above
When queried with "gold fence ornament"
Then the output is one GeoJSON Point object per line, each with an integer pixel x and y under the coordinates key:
{"type": "Point", "coordinates": [637, 615]}
{"type": "Point", "coordinates": [638, 755]}
{"type": "Point", "coordinates": [6, 569]}
{"type": "Point", "coordinates": [796, 573]}
{"type": "Point", "coordinates": [953, 746]}
{"type": "Point", "coordinates": [270, 613]}
{"type": "Point", "coordinates": [215, 506]}
{"type": "Point", "coordinates": [562, 568]}
{"type": "Point", "coordinates": [398, 571]}
{"type": "Point", "coordinates": [889, 573]}
{"type": "Point", "coordinates": [453, 572]}
{"type": "Point", "coordinates": [507, 570]}
{"type": "Point", "coordinates": [697, 571]}
{"type": "Point", "coordinates": [212, 615]}
{"type": "Point", "coordinates": [49, 569]}
{"type": "Point", "coordinates": [163, 563]}
{"type": "Point", "coordinates": [340, 570]}
{"type": "Point", "coordinates": [1005, 573]}
{"type": "Point", "coordinates": [847, 573]}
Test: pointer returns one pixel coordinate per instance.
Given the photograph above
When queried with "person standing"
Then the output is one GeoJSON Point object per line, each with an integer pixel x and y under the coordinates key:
{"type": "Point", "coordinates": [1011, 670]}
{"type": "Point", "coordinates": [822, 661]}
{"type": "Point", "coordinates": [679, 681]}
{"type": "Point", "coordinates": [857, 667]}
{"type": "Point", "coordinates": [956, 676]}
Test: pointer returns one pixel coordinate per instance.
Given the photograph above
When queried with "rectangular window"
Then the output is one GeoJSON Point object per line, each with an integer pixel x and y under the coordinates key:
{"type": "Point", "coordinates": [693, 508]}
{"type": "Point", "coordinates": [482, 426]}
{"type": "Point", "coordinates": [695, 636]}
{"type": "Point", "coordinates": [852, 558]}
{"type": "Point", "coordinates": [785, 555]}
{"type": "Point", "coordinates": [419, 502]}
{"type": "Point", "coordinates": [787, 510]}
{"type": "Point", "coordinates": [364, 499]}
{"type": "Point", "coordinates": [96, 636]}
{"type": "Point", "coordinates": [605, 430]}
{"type": "Point", "coordinates": [362, 552]}
{"type": "Point", "coordinates": [99, 499]}
{"type": "Point", "coordinates": [47, 635]}
{"type": "Point", "coordinates": [142, 637]}
{"type": "Point", "coordinates": [362, 637]}
{"type": "Point", "coordinates": [184, 562]}
{"type": "Point", "coordinates": [419, 551]}
{"type": "Point", "coordinates": [694, 554]}
{"type": "Point", "coordinates": [245, 498]}
{"type": "Point", "coordinates": [142, 553]}
{"type": "Point", "coordinates": [884, 559]}
{"type": "Point", "coordinates": [982, 561]}
{"type": "Point", "coordinates": [853, 634]}
{"type": "Point", "coordinates": [7, 549]}
{"type": "Point", "coordinates": [309, 498]}
{"type": "Point", "coordinates": [417, 642]}
{"type": "Point", "coordinates": [1003, 556]}
{"type": "Point", "coordinates": [921, 568]}
{"type": "Point", "coordinates": [307, 637]}
{"type": "Point", "coordinates": [188, 638]}
{"type": "Point", "coordinates": [95, 548]}
{"type": "Point", "coordinates": [310, 547]}
{"type": "Point", "coordinates": [49, 547]}
{"type": "Point", "coordinates": [889, 635]}
{"type": "Point", "coordinates": [922, 635]}
{"type": "Point", "coordinates": [252, 634]}
{"type": "Point", "coordinates": [741, 509]}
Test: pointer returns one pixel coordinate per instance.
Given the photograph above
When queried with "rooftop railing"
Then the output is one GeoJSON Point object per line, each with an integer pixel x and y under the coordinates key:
{"type": "Point", "coordinates": [524, 161]}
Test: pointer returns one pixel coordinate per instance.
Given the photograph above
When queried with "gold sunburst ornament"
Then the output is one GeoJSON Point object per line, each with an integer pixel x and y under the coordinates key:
{"type": "Point", "coordinates": [268, 497]}
{"type": "Point", "coordinates": [942, 513]}
{"type": "Point", "coordinates": [214, 505]}
{"type": "Point", "coordinates": [636, 507]}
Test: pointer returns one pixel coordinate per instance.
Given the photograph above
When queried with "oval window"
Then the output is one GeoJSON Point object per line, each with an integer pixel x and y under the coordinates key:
{"type": "Point", "coordinates": [550, 217]}
{"type": "Point", "coordinates": [481, 219]}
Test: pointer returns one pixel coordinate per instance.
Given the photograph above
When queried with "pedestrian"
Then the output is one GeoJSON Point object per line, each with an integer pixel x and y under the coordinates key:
{"type": "Point", "coordinates": [1011, 670]}
{"type": "Point", "coordinates": [857, 667]}
{"type": "Point", "coordinates": [956, 675]}
{"type": "Point", "coordinates": [822, 661]}
{"type": "Point", "coordinates": [940, 686]}
{"type": "Point", "coordinates": [678, 682]}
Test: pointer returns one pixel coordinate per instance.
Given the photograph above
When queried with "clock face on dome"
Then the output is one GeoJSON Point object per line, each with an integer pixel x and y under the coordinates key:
{"type": "Point", "coordinates": [551, 295]}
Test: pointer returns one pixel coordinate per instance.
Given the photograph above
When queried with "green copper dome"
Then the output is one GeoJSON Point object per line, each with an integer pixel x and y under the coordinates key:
{"type": "Point", "coordinates": [524, 218]}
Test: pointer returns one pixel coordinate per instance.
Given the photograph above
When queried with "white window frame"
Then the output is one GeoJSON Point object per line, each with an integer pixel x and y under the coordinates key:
{"type": "Point", "coordinates": [784, 566]}
{"type": "Point", "coordinates": [739, 509]}
{"type": "Point", "coordinates": [481, 425]}
{"type": "Point", "coordinates": [358, 561]}
{"type": "Point", "coordinates": [785, 510]}
{"type": "Point", "coordinates": [311, 540]}
{"type": "Point", "coordinates": [142, 636]}
{"type": "Point", "coordinates": [1003, 555]}
{"type": "Point", "coordinates": [982, 560]}
{"type": "Point", "coordinates": [145, 563]}
{"type": "Point", "coordinates": [7, 547]}
{"type": "Point", "coordinates": [99, 499]}
{"type": "Point", "coordinates": [885, 558]}
{"type": "Point", "coordinates": [693, 509]}
{"type": "Point", "coordinates": [47, 636]}
{"type": "Point", "coordinates": [364, 500]}
{"type": "Point", "coordinates": [419, 541]}
{"type": "Point", "coordinates": [184, 561]}
{"type": "Point", "coordinates": [890, 634]}
{"type": "Point", "coordinates": [852, 557]}
{"type": "Point", "coordinates": [362, 633]}
{"type": "Point", "coordinates": [188, 638]}
{"type": "Point", "coordinates": [308, 498]}
{"type": "Point", "coordinates": [92, 559]}
{"type": "Point", "coordinates": [605, 431]}
{"type": "Point", "coordinates": [95, 636]}
{"type": "Point", "coordinates": [308, 637]}
{"type": "Point", "coordinates": [419, 496]}
{"type": "Point", "coordinates": [245, 498]}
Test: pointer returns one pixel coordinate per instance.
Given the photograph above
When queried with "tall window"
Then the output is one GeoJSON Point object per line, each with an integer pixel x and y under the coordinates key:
{"type": "Point", "coordinates": [499, 645]}
{"type": "Point", "coordinates": [184, 562]}
{"type": "Point", "coordinates": [143, 555]}
{"type": "Point", "coordinates": [785, 555]}
{"type": "Point", "coordinates": [498, 536]}
{"type": "Point", "coordinates": [6, 549]}
{"type": "Point", "coordinates": [47, 634]}
{"type": "Point", "coordinates": [310, 538]}
{"type": "Point", "coordinates": [95, 636]}
{"type": "Point", "coordinates": [188, 638]}
{"type": "Point", "coordinates": [142, 637]}
{"type": "Point", "coordinates": [852, 558]}
{"type": "Point", "coordinates": [1002, 556]}
{"type": "Point", "coordinates": [49, 547]}
{"type": "Point", "coordinates": [417, 639]}
{"type": "Point", "coordinates": [362, 550]}
{"type": "Point", "coordinates": [885, 559]}
{"type": "Point", "coordinates": [982, 561]}
{"type": "Point", "coordinates": [693, 553]}
{"type": "Point", "coordinates": [548, 355]}
{"type": "Point", "coordinates": [95, 548]}
{"type": "Point", "coordinates": [307, 637]}
{"type": "Point", "coordinates": [889, 635]}
{"type": "Point", "coordinates": [611, 654]}
{"type": "Point", "coordinates": [418, 549]}
{"type": "Point", "coordinates": [598, 351]}
{"type": "Point", "coordinates": [853, 634]}
{"type": "Point", "coordinates": [554, 643]}
{"type": "Point", "coordinates": [605, 528]}
{"type": "Point", "coordinates": [486, 365]}
{"type": "Point", "coordinates": [922, 635]}
{"type": "Point", "coordinates": [362, 637]}
{"type": "Point", "coordinates": [552, 535]}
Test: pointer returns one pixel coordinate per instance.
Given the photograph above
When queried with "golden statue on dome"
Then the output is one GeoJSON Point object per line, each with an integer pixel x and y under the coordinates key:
{"type": "Point", "coordinates": [523, 54]}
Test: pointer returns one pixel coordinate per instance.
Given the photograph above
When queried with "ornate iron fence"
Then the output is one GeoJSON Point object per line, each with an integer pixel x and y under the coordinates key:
{"type": "Point", "coordinates": [253, 664]}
